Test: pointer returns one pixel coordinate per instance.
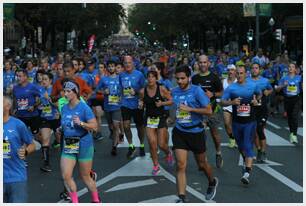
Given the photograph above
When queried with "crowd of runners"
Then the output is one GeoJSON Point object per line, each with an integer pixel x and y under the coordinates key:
{"type": "Point", "coordinates": [59, 101]}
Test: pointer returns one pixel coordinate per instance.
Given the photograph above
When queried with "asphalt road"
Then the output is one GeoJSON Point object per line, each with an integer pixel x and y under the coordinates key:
{"type": "Point", "coordinates": [130, 181]}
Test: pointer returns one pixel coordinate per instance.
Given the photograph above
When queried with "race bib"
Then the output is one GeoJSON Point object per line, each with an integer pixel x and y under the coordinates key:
{"type": "Point", "coordinates": [113, 99]}
{"type": "Point", "coordinates": [6, 150]}
{"type": "Point", "coordinates": [183, 116]}
{"type": "Point", "coordinates": [72, 145]}
{"type": "Point", "coordinates": [153, 122]}
{"type": "Point", "coordinates": [47, 110]}
{"type": "Point", "coordinates": [126, 93]}
{"type": "Point", "coordinates": [243, 110]}
{"type": "Point", "coordinates": [23, 104]}
{"type": "Point", "coordinates": [292, 89]}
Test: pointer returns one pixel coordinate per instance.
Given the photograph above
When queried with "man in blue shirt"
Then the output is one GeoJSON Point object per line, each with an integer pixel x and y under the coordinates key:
{"type": "Point", "coordinates": [243, 96]}
{"type": "Point", "coordinates": [191, 104]}
{"type": "Point", "coordinates": [261, 111]}
{"type": "Point", "coordinates": [26, 101]}
{"type": "Point", "coordinates": [17, 144]}
{"type": "Point", "coordinates": [132, 81]}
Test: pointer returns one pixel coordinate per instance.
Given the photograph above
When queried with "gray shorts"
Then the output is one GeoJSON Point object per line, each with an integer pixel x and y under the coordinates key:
{"type": "Point", "coordinates": [214, 120]}
{"type": "Point", "coordinates": [113, 116]}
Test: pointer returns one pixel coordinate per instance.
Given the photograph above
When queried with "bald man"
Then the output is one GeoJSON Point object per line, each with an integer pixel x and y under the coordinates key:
{"type": "Point", "coordinates": [212, 86]}
{"type": "Point", "coordinates": [132, 81]}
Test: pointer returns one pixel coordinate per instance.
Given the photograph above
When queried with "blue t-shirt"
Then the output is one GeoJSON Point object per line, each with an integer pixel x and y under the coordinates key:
{"type": "Point", "coordinates": [32, 75]}
{"type": "Point", "coordinates": [270, 74]}
{"type": "Point", "coordinates": [84, 112]}
{"type": "Point", "coordinates": [294, 85]}
{"type": "Point", "coordinates": [112, 102]}
{"type": "Point", "coordinates": [134, 80]}
{"type": "Point", "coordinates": [25, 97]}
{"type": "Point", "coordinates": [8, 79]}
{"type": "Point", "coordinates": [244, 112]}
{"type": "Point", "coordinates": [48, 111]}
{"type": "Point", "coordinates": [15, 135]}
{"type": "Point", "coordinates": [283, 70]}
{"type": "Point", "coordinates": [193, 97]}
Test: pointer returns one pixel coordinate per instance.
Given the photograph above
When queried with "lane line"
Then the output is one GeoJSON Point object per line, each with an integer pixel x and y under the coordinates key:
{"type": "Point", "coordinates": [131, 185]}
{"type": "Point", "coordinates": [273, 125]}
{"type": "Point", "coordinates": [164, 199]}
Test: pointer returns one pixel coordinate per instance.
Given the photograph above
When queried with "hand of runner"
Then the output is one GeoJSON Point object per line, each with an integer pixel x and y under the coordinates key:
{"type": "Point", "coordinates": [236, 101]}
{"type": "Point", "coordinates": [140, 104]}
{"type": "Point", "coordinates": [76, 120]}
{"type": "Point", "coordinates": [254, 101]}
{"type": "Point", "coordinates": [132, 92]}
{"type": "Point", "coordinates": [209, 94]}
{"type": "Point", "coordinates": [22, 152]}
{"type": "Point", "coordinates": [185, 108]}
{"type": "Point", "coordinates": [106, 91]}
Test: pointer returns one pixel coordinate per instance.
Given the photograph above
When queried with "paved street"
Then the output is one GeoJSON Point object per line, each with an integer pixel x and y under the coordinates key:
{"type": "Point", "coordinates": [130, 181]}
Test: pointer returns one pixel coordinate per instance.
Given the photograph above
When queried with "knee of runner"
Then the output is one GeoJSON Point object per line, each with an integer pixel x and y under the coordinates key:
{"type": "Point", "coordinates": [180, 165]}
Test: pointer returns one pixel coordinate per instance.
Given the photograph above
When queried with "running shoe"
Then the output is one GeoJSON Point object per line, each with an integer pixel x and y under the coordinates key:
{"type": "Point", "coordinates": [131, 152]}
{"type": "Point", "coordinates": [155, 170]}
{"type": "Point", "coordinates": [170, 159]}
{"type": "Point", "coordinates": [180, 200]}
{"type": "Point", "coordinates": [65, 196]}
{"type": "Point", "coordinates": [212, 189]}
{"type": "Point", "coordinates": [263, 157]}
{"type": "Point", "coordinates": [55, 144]}
{"type": "Point", "coordinates": [142, 152]}
{"type": "Point", "coordinates": [46, 167]}
{"type": "Point", "coordinates": [219, 160]}
{"type": "Point", "coordinates": [245, 178]}
{"type": "Point", "coordinates": [259, 156]}
{"type": "Point", "coordinates": [293, 138]}
{"type": "Point", "coordinates": [93, 175]}
{"type": "Point", "coordinates": [114, 151]}
{"type": "Point", "coordinates": [232, 143]}
{"type": "Point", "coordinates": [98, 136]}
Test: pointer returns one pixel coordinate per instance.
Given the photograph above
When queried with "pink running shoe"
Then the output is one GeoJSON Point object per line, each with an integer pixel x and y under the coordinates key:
{"type": "Point", "coordinates": [156, 170]}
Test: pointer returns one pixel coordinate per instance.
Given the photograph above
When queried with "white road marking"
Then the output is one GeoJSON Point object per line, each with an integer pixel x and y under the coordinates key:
{"type": "Point", "coordinates": [275, 140]}
{"type": "Point", "coordinates": [140, 167]}
{"type": "Point", "coordinates": [273, 125]}
{"type": "Point", "coordinates": [131, 185]}
{"type": "Point", "coordinates": [164, 199]}
{"type": "Point", "coordinates": [283, 179]}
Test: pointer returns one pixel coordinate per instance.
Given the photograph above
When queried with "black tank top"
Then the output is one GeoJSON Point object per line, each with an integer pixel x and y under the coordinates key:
{"type": "Point", "coordinates": [151, 109]}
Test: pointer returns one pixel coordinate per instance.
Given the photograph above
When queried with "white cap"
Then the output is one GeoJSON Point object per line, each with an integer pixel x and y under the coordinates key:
{"type": "Point", "coordinates": [231, 66]}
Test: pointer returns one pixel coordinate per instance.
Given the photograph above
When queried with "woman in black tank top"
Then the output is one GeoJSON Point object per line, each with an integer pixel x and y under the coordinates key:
{"type": "Point", "coordinates": [153, 98]}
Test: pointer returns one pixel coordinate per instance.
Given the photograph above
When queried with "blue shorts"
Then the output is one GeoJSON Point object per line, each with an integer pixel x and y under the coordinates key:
{"type": "Point", "coordinates": [244, 134]}
{"type": "Point", "coordinates": [85, 154]}
{"type": "Point", "coordinates": [15, 192]}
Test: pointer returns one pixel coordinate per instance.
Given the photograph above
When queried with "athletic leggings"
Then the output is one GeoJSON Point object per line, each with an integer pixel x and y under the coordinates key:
{"type": "Point", "coordinates": [244, 134]}
{"type": "Point", "coordinates": [292, 107]}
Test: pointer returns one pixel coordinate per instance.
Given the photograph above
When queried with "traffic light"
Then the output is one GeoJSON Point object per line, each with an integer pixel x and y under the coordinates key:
{"type": "Point", "coordinates": [278, 34]}
{"type": "Point", "coordinates": [250, 35]}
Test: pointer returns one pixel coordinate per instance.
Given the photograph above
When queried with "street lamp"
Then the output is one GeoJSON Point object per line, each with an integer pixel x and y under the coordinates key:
{"type": "Point", "coordinates": [149, 22]}
{"type": "Point", "coordinates": [271, 22]}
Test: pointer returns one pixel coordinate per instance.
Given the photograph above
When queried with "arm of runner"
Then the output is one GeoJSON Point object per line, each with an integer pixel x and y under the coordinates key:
{"type": "Point", "coordinates": [89, 125]}
{"type": "Point", "coordinates": [25, 150]}
{"type": "Point", "coordinates": [165, 94]}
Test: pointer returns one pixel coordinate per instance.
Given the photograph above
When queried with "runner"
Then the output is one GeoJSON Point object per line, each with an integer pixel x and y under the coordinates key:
{"type": "Point", "coordinates": [212, 86]}
{"type": "Point", "coordinates": [153, 98]}
{"type": "Point", "coordinates": [111, 88]}
{"type": "Point", "coordinates": [77, 120]}
{"type": "Point", "coordinates": [131, 82]}
{"type": "Point", "coordinates": [291, 85]}
{"type": "Point", "coordinates": [49, 120]}
{"type": "Point", "coordinates": [188, 134]}
{"type": "Point", "coordinates": [261, 111]}
{"type": "Point", "coordinates": [242, 95]}
{"type": "Point", "coordinates": [227, 111]}
{"type": "Point", "coordinates": [17, 144]}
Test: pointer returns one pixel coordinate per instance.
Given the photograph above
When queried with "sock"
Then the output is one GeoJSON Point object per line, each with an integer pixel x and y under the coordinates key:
{"type": "Point", "coordinates": [95, 197]}
{"type": "Point", "coordinates": [248, 169]}
{"type": "Point", "coordinates": [45, 152]}
{"type": "Point", "coordinates": [182, 197]}
{"type": "Point", "coordinates": [142, 145]}
{"type": "Point", "coordinates": [131, 145]}
{"type": "Point", "coordinates": [74, 197]}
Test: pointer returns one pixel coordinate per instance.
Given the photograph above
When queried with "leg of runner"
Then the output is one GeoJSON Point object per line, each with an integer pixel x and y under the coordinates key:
{"type": "Point", "coordinates": [128, 134]}
{"type": "Point", "coordinates": [67, 166]}
{"type": "Point", "coordinates": [116, 126]}
{"type": "Point", "coordinates": [85, 168]}
{"type": "Point", "coordinates": [152, 139]}
{"type": "Point", "coordinates": [227, 116]}
{"type": "Point", "coordinates": [162, 138]}
{"type": "Point", "coordinates": [98, 113]}
{"type": "Point", "coordinates": [139, 121]}
{"type": "Point", "coordinates": [217, 141]}
{"type": "Point", "coordinates": [45, 139]}
{"type": "Point", "coordinates": [181, 163]}
{"type": "Point", "coordinates": [121, 134]}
